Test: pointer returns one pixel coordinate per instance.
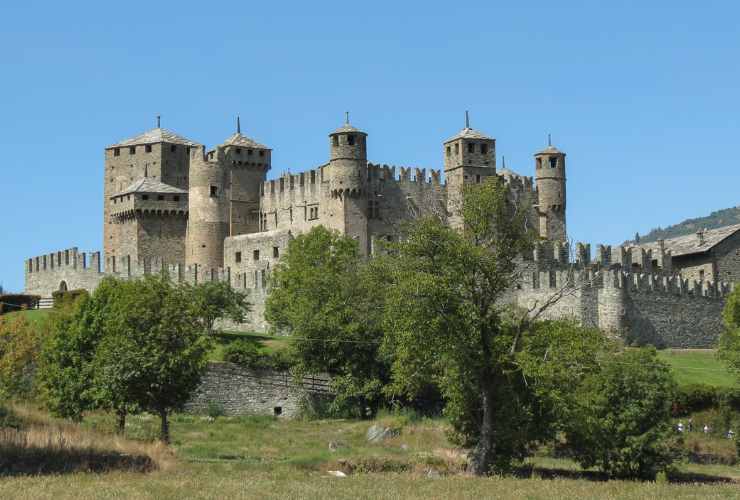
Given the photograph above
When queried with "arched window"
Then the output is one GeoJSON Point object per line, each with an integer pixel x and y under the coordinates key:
{"type": "Point", "coordinates": [63, 286]}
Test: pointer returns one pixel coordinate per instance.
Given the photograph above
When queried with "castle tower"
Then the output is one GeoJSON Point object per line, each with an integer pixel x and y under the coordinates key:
{"type": "Point", "coordinates": [158, 155]}
{"type": "Point", "coordinates": [249, 162]}
{"type": "Point", "coordinates": [347, 175]}
{"type": "Point", "coordinates": [208, 220]}
{"type": "Point", "coordinates": [469, 157]}
{"type": "Point", "coordinates": [550, 178]}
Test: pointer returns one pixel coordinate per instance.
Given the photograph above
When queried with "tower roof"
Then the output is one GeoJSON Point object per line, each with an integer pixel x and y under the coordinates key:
{"type": "Point", "coordinates": [154, 136]}
{"type": "Point", "coordinates": [549, 150]}
{"type": "Point", "coordinates": [347, 127]}
{"type": "Point", "coordinates": [149, 185]}
{"type": "Point", "coordinates": [469, 133]}
{"type": "Point", "coordinates": [237, 139]}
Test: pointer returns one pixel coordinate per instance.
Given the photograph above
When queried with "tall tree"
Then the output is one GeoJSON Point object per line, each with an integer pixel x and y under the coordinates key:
{"type": "Point", "coordinates": [729, 342]}
{"type": "Point", "coordinates": [324, 298]}
{"type": "Point", "coordinates": [445, 317]}
{"type": "Point", "coordinates": [218, 299]}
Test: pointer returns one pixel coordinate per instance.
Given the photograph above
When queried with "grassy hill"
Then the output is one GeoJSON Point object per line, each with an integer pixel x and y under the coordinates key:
{"type": "Point", "coordinates": [725, 217]}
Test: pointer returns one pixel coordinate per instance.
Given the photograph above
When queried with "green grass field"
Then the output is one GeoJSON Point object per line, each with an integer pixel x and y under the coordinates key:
{"type": "Point", "coordinates": [698, 366]}
{"type": "Point", "coordinates": [261, 457]}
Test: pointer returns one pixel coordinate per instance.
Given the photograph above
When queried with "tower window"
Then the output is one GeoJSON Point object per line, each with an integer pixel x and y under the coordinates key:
{"type": "Point", "coordinates": [262, 153]}
{"type": "Point", "coordinates": [457, 149]}
{"type": "Point", "coordinates": [335, 140]}
{"type": "Point", "coordinates": [214, 191]}
{"type": "Point", "coordinates": [275, 252]}
{"type": "Point", "coordinates": [539, 162]}
{"type": "Point", "coordinates": [132, 150]}
{"type": "Point", "coordinates": [176, 197]}
{"type": "Point", "coordinates": [477, 179]}
{"type": "Point", "coordinates": [117, 152]}
{"type": "Point", "coordinates": [256, 255]}
{"type": "Point", "coordinates": [350, 140]}
{"type": "Point", "coordinates": [449, 151]}
{"type": "Point", "coordinates": [238, 257]}
{"type": "Point", "coordinates": [553, 162]}
{"type": "Point", "coordinates": [160, 197]}
{"type": "Point", "coordinates": [484, 149]}
{"type": "Point", "coordinates": [173, 148]}
{"type": "Point", "coordinates": [471, 148]}
{"type": "Point", "coordinates": [238, 151]}
{"type": "Point", "coordinates": [144, 196]}
{"type": "Point", "coordinates": [249, 152]}
{"type": "Point", "coordinates": [148, 148]}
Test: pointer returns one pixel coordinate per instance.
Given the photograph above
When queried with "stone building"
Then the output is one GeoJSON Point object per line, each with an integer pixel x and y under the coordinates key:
{"type": "Point", "coordinates": [173, 205]}
{"type": "Point", "coordinates": [709, 255]}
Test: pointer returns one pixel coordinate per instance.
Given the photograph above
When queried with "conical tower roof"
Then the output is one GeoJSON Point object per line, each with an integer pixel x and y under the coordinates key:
{"type": "Point", "coordinates": [154, 136]}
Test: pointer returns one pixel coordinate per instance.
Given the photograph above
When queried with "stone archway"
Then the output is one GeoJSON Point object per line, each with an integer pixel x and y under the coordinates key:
{"type": "Point", "coordinates": [63, 286]}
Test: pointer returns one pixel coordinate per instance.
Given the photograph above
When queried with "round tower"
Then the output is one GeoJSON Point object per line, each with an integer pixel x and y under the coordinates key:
{"type": "Point", "coordinates": [347, 175]}
{"type": "Point", "coordinates": [550, 178]}
{"type": "Point", "coordinates": [208, 219]}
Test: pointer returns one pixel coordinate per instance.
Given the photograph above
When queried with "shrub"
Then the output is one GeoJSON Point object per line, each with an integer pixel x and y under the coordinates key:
{"type": "Point", "coordinates": [67, 297]}
{"type": "Point", "coordinates": [623, 420]}
{"type": "Point", "coordinates": [693, 398]}
{"type": "Point", "coordinates": [215, 409]}
{"type": "Point", "coordinates": [245, 353]}
{"type": "Point", "coordinates": [10, 302]}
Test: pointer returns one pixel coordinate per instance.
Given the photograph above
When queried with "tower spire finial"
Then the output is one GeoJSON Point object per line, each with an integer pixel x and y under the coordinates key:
{"type": "Point", "coordinates": [467, 119]}
{"type": "Point", "coordinates": [346, 117]}
{"type": "Point", "coordinates": [238, 125]}
{"type": "Point", "coordinates": [159, 121]}
{"type": "Point", "coordinates": [549, 140]}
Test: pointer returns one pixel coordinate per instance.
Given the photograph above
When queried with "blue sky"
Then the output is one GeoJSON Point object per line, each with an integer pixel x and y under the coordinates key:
{"type": "Point", "coordinates": [643, 98]}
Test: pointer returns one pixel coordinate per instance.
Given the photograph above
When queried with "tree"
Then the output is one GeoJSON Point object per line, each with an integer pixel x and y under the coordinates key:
{"type": "Point", "coordinates": [217, 299]}
{"type": "Point", "coordinates": [323, 296]}
{"type": "Point", "coordinates": [729, 342]}
{"type": "Point", "coordinates": [622, 421]}
{"type": "Point", "coordinates": [20, 343]}
{"type": "Point", "coordinates": [445, 318]}
{"type": "Point", "coordinates": [154, 351]}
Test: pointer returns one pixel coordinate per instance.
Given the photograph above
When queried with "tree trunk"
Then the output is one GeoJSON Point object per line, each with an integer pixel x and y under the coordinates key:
{"type": "Point", "coordinates": [164, 432]}
{"type": "Point", "coordinates": [121, 425]}
{"type": "Point", "coordinates": [484, 452]}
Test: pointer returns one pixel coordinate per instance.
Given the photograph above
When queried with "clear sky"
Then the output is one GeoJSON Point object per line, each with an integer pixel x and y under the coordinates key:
{"type": "Point", "coordinates": [642, 96]}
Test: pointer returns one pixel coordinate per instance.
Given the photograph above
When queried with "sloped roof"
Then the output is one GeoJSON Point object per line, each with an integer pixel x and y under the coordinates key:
{"type": "Point", "coordinates": [469, 133]}
{"type": "Point", "coordinates": [347, 128]}
{"type": "Point", "coordinates": [689, 244]}
{"type": "Point", "coordinates": [549, 150]}
{"type": "Point", "coordinates": [505, 172]}
{"type": "Point", "coordinates": [238, 139]}
{"type": "Point", "coordinates": [154, 136]}
{"type": "Point", "coordinates": [149, 185]}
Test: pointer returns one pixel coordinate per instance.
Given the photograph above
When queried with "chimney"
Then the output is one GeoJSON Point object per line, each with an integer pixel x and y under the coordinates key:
{"type": "Point", "coordinates": [700, 236]}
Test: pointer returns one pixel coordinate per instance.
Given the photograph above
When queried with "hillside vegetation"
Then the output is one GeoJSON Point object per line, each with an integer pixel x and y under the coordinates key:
{"type": "Point", "coordinates": [720, 218]}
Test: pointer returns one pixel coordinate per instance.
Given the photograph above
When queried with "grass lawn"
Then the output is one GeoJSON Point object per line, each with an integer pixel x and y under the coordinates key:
{"type": "Point", "coordinates": [34, 316]}
{"type": "Point", "coordinates": [263, 457]}
{"type": "Point", "coordinates": [698, 366]}
{"type": "Point", "coordinates": [267, 343]}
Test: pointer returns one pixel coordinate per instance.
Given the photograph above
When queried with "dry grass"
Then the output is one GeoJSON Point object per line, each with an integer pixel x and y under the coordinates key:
{"type": "Point", "coordinates": [47, 446]}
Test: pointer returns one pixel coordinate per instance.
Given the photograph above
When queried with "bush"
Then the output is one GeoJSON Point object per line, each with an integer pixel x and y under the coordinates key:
{"type": "Point", "coordinates": [215, 409]}
{"type": "Point", "coordinates": [247, 354]}
{"type": "Point", "coordinates": [623, 420]}
{"type": "Point", "coordinates": [693, 398]}
{"type": "Point", "coordinates": [10, 302]}
{"type": "Point", "coordinates": [67, 297]}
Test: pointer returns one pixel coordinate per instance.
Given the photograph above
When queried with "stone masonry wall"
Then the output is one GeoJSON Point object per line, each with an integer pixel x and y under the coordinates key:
{"type": "Point", "coordinates": [242, 391]}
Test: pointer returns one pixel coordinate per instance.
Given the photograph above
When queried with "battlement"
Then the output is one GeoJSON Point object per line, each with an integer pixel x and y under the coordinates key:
{"type": "Point", "coordinates": [69, 258]}
{"type": "Point", "coordinates": [405, 174]}
{"type": "Point", "coordinates": [293, 182]}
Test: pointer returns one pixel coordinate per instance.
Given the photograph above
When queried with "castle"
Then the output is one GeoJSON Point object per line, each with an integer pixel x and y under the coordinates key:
{"type": "Point", "coordinates": [171, 204]}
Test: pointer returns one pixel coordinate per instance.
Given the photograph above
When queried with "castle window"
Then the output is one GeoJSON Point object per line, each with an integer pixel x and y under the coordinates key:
{"type": "Point", "coordinates": [449, 151]}
{"type": "Point", "coordinates": [148, 148]}
{"type": "Point", "coordinates": [238, 151]}
{"type": "Point", "coordinates": [262, 153]}
{"type": "Point", "coordinates": [539, 162]}
{"type": "Point", "coordinates": [471, 148]}
{"type": "Point", "coordinates": [144, 196]}
{"type": "Point", "coordinates": [117, 152]}
{"type": "Point", "coordinates": [238, 257]}
{"type": "Point", "coordinates": [477, 179]}
{"type": "Point", "coordinates": [335, 140]}
{"type": "Point", "coordinates": [350, 140]}
{"type": "Point", "coordinates": [553, 162]}
{"type": "Point", "coordinates": [457, 148]}
{"type": "Point", "coordinates": [176, 197]}
{"type": "Point", "coordinates": [313, 177]}
{"type": "Point", "coordinates": [275, 252]}
{"type": "Point", "coordinates": [214, 191]}
{"type": "Point", "coordinates": [132, 150]}
{"type": "Point", "coordinates": [160, 197]}
{"type": "Point", "coordinates": [249, 152]}
{"type": "Point", "coordinates": [256, 255]}
{"type": "Point", "coordinates": [701, 275]}
{"type": "Point", "coordinates": [173, 148]}
{"type": "Point", "coordinates": [484, 149]}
